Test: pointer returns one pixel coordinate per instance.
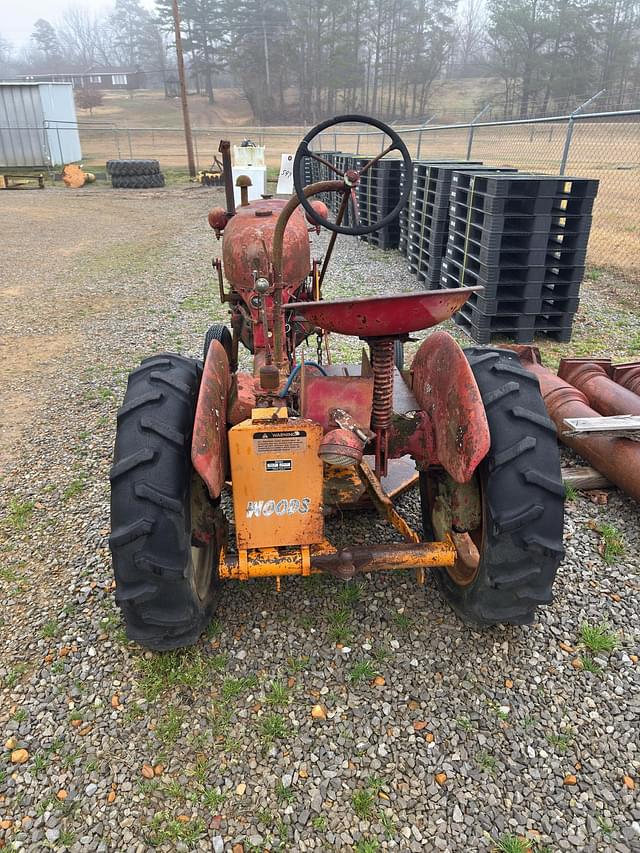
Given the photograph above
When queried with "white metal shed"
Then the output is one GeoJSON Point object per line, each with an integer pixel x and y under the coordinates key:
{"type": "Point", "coordinates": [38, 125]}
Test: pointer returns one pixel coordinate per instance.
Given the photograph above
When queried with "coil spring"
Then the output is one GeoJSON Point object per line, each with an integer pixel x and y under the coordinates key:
{"type": "Point", "coordinates": [382, 366]}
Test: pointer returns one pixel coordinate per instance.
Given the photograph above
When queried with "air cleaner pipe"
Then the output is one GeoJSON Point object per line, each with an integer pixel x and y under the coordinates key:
{"type": "Point", "coordinates": [278, 243]}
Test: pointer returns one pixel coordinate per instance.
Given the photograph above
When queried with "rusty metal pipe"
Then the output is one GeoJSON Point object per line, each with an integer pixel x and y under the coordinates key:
{"type": "Point", "coordinates": [617, 458]}
{"type": "Point", "coordinates": [225, 149]}
{"type": "Point", "coordinates": [604, 395]}
{"type": "Point", "coordinates": [627, 375]}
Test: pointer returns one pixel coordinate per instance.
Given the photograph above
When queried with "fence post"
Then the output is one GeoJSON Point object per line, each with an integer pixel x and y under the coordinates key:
{"type": "Point", "coordinates": [570, 124]}
{"type": "Point", "coordinates": [472, 128]}
{"type": "Point", "coordinates": [358, 145]}
{"type": "Point", "coordinates": [129, 138]}
{"type": "Point", "coordinates": [117, 138]}
{"type": "Point", "coordinates": [195, 145]}
{"type": "Point", "coordinates": [428, 121]}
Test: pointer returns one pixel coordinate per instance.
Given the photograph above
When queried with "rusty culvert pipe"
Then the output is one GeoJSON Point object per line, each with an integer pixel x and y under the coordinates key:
{"type": "Point", "coordinates": [627, 375]}
{"type": "Point", "coordinates": [604, 395]}
{"type": "Point", "coordinates": [617, 458]}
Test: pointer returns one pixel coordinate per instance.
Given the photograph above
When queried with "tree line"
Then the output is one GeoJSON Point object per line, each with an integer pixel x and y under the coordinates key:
{"type": "Point", "coordinates": [301, 61]}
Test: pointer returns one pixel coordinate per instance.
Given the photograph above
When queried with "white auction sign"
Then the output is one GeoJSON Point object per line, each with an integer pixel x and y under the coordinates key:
{"type": "Point", "coordinates": [285, 178]}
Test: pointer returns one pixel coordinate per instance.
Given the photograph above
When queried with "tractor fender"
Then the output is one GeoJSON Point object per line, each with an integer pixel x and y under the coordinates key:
{"type": "Point", "coordinates": [209, 447]}
{"type": "Point", "coordinates": [445, 388]}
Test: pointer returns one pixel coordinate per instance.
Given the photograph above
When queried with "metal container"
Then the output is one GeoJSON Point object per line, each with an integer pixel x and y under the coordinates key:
{"type": "Point", "coordinates": [38, 125]}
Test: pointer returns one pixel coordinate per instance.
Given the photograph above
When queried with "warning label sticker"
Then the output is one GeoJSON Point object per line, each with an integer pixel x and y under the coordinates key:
{"type": "Point", "coordinates": [290, 441]}
{"type": "Point", "coordinates": [272, 466]}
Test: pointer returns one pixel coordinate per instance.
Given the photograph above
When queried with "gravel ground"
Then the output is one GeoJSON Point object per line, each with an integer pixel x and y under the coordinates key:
{"type": "Point", "coordinates": [425, 735]}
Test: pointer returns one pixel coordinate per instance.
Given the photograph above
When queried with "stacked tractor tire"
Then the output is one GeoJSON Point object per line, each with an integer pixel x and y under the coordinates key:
{"type": "Point", "coordinates": [135, 174]}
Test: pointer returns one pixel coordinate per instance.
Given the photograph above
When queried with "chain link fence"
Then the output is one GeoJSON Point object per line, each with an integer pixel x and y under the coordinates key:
{"type": "Point", "coordinates": [605, 146]}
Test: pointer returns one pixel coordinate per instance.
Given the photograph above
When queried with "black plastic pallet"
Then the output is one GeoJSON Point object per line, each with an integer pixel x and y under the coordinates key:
{"type": "Point", "coordinates": [528, 185]}
{"type": "Point", "coordinates": [534, 237]}
{"type": "Point", "coordinates": [462, 199]}
{"type": "Point", "coordinates": [492, 257]}
{"type": "Point", "coordinates": [531, 304]}
{"type": "Point", "coordinates": [544, 327]}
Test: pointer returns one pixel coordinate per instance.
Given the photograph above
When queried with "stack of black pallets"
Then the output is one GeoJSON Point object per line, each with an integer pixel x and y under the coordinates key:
{"type": "Point", "coordinates": [378, 193]}
{"type": "Point", "coordinates": [524, 239]}
{"type": "Point", "coordinates": [428, 216]}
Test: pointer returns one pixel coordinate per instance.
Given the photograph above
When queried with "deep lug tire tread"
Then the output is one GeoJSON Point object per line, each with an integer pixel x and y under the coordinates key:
{"type": "Point", "coordinates": [523, 499]}
{"type": "Point", "coordinates": [150, 506]}
{"type": "Point", "coordinates": [126, 168]}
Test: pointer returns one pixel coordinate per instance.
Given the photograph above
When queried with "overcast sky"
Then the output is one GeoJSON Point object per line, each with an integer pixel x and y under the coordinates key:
{"type": "Point", "coordinates": [18, 18]}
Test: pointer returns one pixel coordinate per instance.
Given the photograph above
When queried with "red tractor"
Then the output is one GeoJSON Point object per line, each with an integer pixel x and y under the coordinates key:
{"type": "Point", "coordinates": [295, 438]}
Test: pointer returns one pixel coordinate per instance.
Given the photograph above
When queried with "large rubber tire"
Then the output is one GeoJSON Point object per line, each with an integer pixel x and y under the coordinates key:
{"type": "Point", "coordinates": [137, 182]}
{"type": "Point", "coordinates": [166, 594]}
{"type": "Point", "coordinates": [218, 332]}
{"type": "Point", "coordinates": [132, 167]}
{"type": "Point", "coordinates": [522, 497]}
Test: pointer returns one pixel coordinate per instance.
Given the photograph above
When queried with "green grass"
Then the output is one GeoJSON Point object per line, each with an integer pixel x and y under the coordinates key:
{"type": "Point", "coordinates": [560, 741]}
{"type": "Point", "coordinates": [232, 688]}
{"type": "Point", "coordinates": [50, 629]}
{"type": "Point", "coordinates": [487, 762]}
{"type": "Point", "coordinates": [612, 544]}
{"type": "Point", "coordinates": [171, 670]}
{"type": "Point", "coordinates": [403, 622]}
{"type": "Point", "coordinates": [465, 724]}
{"type": "Point", "coordinates": [589, 665]}
{"type": "Point", "coordinates": [164, 829]}
{"type": "Point", "coordinates": [598, 638]}
{"type": "Point", "coordinates": [213, 799]}
{"type": "Point", "coordinates": [168, 729]}
{"type": "Point", "coordinates": [605, 826]}
{"type": "Point", "coordinates": [367, 845]}
{"type": "Point", "coordinates": [319, 823]}
{"type": "Point", "coordinates": [362, 802]}
{"type": "Point", "coordinates": [284, 793]}
{"type": "Point", "coordinates": [296, 665]}
{"type": "Point", "coordinates": [388, 824]}
{"type": "Point", "coordinates": [277, 695]}
{"type": "Point", "coordinates": [363, 670]}
{"type": "Point", "coordinates": [273, 727]}
{"type": "Point", "coordinates": [512, 844]}
{"type": "Point", "coordinates": [349, 594]}
{"type": "Point", "coordinates": [13, 674]}
{"type": "Point", "coordinates": [74, 488]}
{"type": "Point", "coordinates": [570, 494]}
{"type": "Point", "coordinates": [19, 513]}
{"type": "Point", "coordinates": [340, 632]}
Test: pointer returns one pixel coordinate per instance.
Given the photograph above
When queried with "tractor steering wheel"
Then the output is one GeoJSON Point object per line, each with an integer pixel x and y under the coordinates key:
{"type": "Point", "coordinates": [351, 177]}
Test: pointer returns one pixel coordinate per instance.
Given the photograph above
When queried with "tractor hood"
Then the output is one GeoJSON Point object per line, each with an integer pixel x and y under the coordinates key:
{"type": "Point", "coordinates": [248, 244]}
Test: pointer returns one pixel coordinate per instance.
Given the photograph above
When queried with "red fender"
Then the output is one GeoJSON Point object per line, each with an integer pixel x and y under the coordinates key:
{"type": "Point", "coordinates": [209, 451]}
{"type": "Point", "coordinates": [446, 390]}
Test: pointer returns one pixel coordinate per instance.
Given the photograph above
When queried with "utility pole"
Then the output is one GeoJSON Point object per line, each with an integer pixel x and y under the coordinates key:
{"type": "Point", "coordinates": [183, 91]}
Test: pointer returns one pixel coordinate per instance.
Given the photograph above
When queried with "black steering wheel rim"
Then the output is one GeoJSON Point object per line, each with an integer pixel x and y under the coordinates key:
{"type": "Point", "coordinates": [298, 175]}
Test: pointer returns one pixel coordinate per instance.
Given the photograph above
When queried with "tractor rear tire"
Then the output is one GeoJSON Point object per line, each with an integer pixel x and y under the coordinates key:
{"type": "Point", "coordinates": [218, 332]}
{"type": "Point", "coordinates": [125, 168]}
{"type": "Point", "coordinates": [522, 500]}
{"type": "Point", "coordinates": [166, 581]}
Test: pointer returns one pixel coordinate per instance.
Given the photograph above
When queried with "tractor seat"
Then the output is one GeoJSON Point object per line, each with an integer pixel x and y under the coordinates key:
{"type": "Point", "coordinates": [384, 316]}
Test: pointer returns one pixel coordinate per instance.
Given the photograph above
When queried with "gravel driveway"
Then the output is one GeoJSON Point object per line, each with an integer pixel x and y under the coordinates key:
{"type": "Point", "coordinates": [330, 717]}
